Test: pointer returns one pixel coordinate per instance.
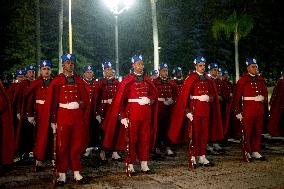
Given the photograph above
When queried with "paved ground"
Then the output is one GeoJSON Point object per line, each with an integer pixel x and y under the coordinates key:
{"type": "Point", "coordinates": [229, 172]}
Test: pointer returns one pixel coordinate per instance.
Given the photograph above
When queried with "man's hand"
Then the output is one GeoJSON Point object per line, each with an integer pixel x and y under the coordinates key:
{"type": "Point", "coordinates": [98, 117]}
{"type": "Point", "coordinates": [144, 100]}
{"type": "Point", "coordinates": [125, 122]}
{"type": "Point", "coordinates": [239, 116]}
{"type": "Point", "coordinates": [169, 101]}
{"type": "Point", "coordinates": [204, 98]}
{"type": "Point", "coordinates": [74, 105]}
{"type": "Point", "coordinates": [54, 127]}
{"type": "Point", "coordinates": [189, 116]}
{"type": "Point", "coordinates": [32, 120]}
{"type": "Point", "coordinates": [18, 116]}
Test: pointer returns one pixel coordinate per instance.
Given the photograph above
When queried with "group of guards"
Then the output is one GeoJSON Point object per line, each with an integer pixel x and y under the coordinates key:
{"type": "Point", "coordinates": [64, 117]}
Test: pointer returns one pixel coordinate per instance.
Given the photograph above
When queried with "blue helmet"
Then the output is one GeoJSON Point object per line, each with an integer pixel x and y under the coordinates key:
{"type": "Point", "coordinates": [162, 66]}
{"type": "Point", "coordinates": [154, 72]}
{"type": "Point", "coordinates": [88, 68]}
{"type": "Point", "coordinates": [20, 72]}
{"type": "Point", "coordinates": [250, 61]}
{"type": "Point", "coordinates": [212, 66]}
{"type": "Point", "coordinates": [44, 63]}
{"type": "Point", "coordinates": [136, 58]}
{"type": "Point", "coordinates": [30, 67]}
{"type": "Point", "coordinates": [66, 57]}
{"type": "Point", "coordinates": [199, 59]}
{"type": "Point", "coordinates": [177, 70]}
{"type": "Point", "coordinates": [106, 65]}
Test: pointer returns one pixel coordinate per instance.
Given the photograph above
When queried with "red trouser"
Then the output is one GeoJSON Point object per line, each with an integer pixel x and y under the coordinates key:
{"type": "Point", "coordinates": [200, 126]}
{"type": "Point", "coordinates": [70, 139]}
{"type": "Point", "coordinates": [253, 129]}
{"type": "Point", "coordinates": [139, 139]}
{"type": "Point", "coordinates": [164, 115]}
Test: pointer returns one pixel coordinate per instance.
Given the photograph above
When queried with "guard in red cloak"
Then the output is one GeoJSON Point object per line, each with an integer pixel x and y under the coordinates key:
{"type": "Point", "coordinates": [35, 97]}
{"type": "Point", "coordinates": [249, 104]}
{"type": "Point", "coordinates": [24, 130]}
{"type": "Point", "coordinates": [197, 104]}
{"type": "Point", "coordinates": [167, 95]}
{"type": "Point", "coordinates": [20, 76]}
{"type": "Point", "coordinates": [135, 107]}
{"type": "Point", "coordinates": [92, 90]}
{"type": "Point", "coordinates": [276, 119]}
{"type": "Point", "coordinates": [215, 76]}
{"type": "Point", "coordinates": [6, 129]}
{"type": "Point", "coordinates": [107, 87]}
{"type": "Point", "coordinates": [178, 78]}
{"type": "Point", "coordinates": [65, 106]}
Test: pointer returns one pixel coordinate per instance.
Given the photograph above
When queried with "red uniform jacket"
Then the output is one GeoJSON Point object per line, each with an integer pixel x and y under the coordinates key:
{"type": "Point", "coordinates": [247, 87]}
{"type": "Point", "coordinates": [50, 112]}
{"type": "Point", "coordinates": [114, 133]}
{"type": "Point", "coordinates": [7, 129]}
{"type": "Point", "coordinates": [92, 92]}
{"type": "Point", "coordinates": [36, 91]}
{"type": "Point", "coordinates": [179, 83]}
{"type": "Point", "coordinates": [177, 129]}
{"type": "Point", "coordinates": [107, 90]}
{"type": "Point", "coordinates": [166, 89]}
{"type": "Point", "coordinates": [275, 127]}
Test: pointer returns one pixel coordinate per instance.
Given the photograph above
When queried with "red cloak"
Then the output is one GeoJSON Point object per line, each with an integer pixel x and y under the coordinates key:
{"type": "Point", "coordinates": [177, 129]}
{"type": "Point", "coordinates": [42, 133]}
{"type": "Point", "coordinates": [7, 130]}
{"type": "Point", "coordinates": [276, 109]}
{"type": "Point", "coordinates": [114, 132]}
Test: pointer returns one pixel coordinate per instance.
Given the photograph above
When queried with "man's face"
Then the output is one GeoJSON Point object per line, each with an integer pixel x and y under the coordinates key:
{"type": "Point", "coordinates": [108, 72]}
{"type": "Point", "coordinates": [138, 66]}
{"type": "Point", "coordinates": [253, 69]}
{"type": "Point", "coordinates": [20, 78]}
{"type": "Point", "coordinates": [200, 67]}
{"type": "Point", "coordinates": [178, 74]}
{"type": "Point", "coordinates": [164, 73]}
{"type": "Point", "coordinates": [89, 74]}
{"type": "Point", "coordinates": [68, 66]}
{"type": "Point", "coordinates": [30, 74]}
{"type": "Point", "coordinates": [154, 77]}
{"type": "Point", "coordinates": [45, 71]}
{"type": "Point", "coordinates": [214, 72]}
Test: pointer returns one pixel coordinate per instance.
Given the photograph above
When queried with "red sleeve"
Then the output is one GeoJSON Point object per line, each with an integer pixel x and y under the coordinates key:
{"type": "Point", "coordinates": [30, 99]}
{"type": "Point", "coordinates": [3, 103]}
{"type": "Point", "coordinates": [54, 104]}
{"type": "Point", "coordinates": [83, 97]}
{"type": "Point", "coordinates": [238, 93]}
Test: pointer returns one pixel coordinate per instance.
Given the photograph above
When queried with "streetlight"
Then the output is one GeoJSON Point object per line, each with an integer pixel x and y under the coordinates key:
{"type": "Point", "coordinates": [117, 7]}
{"type": "Point", "coordinates": [155, 34]}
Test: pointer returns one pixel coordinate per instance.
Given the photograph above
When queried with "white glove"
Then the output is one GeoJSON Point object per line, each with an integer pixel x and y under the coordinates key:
{"type": "Point", "coordinates": [32, 120]}
{"type": "Point", "coordinates": [189, 116]}
{"type": "Point", "coordinates": [54, 127]}
{"type": "Point", "coordinates": [18, 116]}
{"type": "Point", "coordinates": [259, 98]}
{"type": "Point", "coordinates": [144, 100]}
{"type": "Point", "coordinates": [204, 98]}
{"type": "Point", "coordinates": [98, 117]}
{"type": "Point", "coordinates": [125, 122]}
{"type": "Point", "coordinates": [74, 105]}
{"type": "Point", "coordinates": [239, 116]}
{"type": "Point", "coordinates": [169, 101]}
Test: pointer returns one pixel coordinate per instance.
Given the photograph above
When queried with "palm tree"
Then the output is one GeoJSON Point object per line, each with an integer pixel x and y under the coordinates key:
{"type": "Point", "coordinates": [238, 25]}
